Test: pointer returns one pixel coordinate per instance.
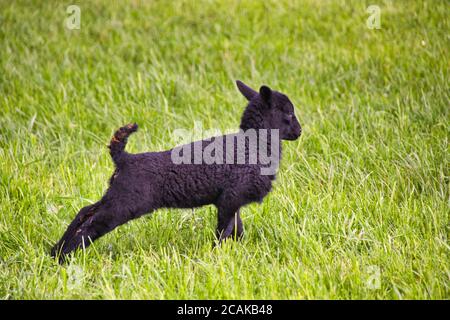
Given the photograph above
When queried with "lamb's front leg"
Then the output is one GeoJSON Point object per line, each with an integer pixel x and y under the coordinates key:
{"type": "Point", "coordinates": [229, 224]}
{"type": "Point", "coordinates": [238, 228]}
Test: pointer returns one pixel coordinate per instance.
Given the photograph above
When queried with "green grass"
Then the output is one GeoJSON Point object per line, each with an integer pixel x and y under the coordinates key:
{"type": "Point", "coordinates": [365, 190]}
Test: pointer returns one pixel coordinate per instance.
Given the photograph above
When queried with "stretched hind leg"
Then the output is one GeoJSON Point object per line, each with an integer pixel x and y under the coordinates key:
{"type": "Point", "coordinates": [91, 223]}
{"type": "Point", "coordinates": [79, 219]}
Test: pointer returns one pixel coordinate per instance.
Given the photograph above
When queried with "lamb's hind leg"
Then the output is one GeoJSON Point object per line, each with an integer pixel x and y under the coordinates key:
{"type": "Point", "coordinates": [76, 223]}
{"type": "Point", "coordinates": [91, 223]}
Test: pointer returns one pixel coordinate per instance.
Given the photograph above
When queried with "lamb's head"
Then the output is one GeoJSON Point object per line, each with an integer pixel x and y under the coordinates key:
{"type": "Point", "coordinates": [269, 109]}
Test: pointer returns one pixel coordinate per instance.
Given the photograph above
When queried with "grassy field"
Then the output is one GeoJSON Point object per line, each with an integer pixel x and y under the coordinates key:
{"type": "Point", "coordinates": [360, 208]}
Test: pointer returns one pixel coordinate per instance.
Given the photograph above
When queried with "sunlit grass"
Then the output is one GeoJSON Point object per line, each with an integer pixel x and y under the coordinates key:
{"type": "Point", "coordinates": [365, 188]}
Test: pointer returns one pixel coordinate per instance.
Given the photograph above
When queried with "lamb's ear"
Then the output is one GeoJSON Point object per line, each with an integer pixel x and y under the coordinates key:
{"type": "Point", "coordinates": [265, 93]}
{"type": "Point", "coordinates": [246, 91]}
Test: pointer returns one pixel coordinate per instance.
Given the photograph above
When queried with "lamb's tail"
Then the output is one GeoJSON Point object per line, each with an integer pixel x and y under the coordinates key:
{"type": "Point", "coordinates": [119, 141]}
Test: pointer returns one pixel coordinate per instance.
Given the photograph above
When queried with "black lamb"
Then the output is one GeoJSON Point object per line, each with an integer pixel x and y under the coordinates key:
{"type": "Point", "coordinates": [142, 183]}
